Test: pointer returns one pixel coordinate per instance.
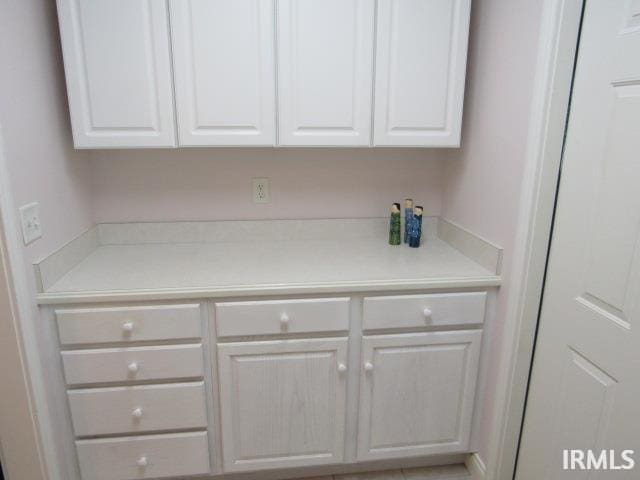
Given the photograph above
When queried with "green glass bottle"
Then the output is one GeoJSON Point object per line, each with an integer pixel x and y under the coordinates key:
{"type": "Point", "coordinates": [394, 225]}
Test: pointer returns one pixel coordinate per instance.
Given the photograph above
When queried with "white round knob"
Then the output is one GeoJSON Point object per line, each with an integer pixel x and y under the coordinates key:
{"type": "Point", "coordinates": [368, 366]}
{"type": "Point", "coordinates": [132, 367]}
{"type": "Point", "coordinates": [342, 368]}
{"type": "Point", "coordinates": [137, 413]}
{"type": "Point", "coordinates": [127, 327]}
{"type": "Point", "coordinates": [427, 313]}
{"type": "Point", "coordinates": [284, 320]}
{"type": "Point", "coordinates": [142, 462]}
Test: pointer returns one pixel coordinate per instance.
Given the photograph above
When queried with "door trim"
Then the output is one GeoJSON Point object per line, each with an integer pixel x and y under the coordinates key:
{"type": "Point", "coordinates": [557, 48]}
{"type": "Point", "coordinates": [23, 455]}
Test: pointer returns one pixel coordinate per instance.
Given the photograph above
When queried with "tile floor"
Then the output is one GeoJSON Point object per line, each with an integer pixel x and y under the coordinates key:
{"type": "Point", "coordinates": [451, 472]}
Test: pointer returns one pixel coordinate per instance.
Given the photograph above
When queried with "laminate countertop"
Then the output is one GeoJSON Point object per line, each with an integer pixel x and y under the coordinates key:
{"type": "Point", "coordinates": [144, 271]}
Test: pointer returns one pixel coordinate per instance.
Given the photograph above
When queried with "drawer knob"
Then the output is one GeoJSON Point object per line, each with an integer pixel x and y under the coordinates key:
{"type": "Point", "coordinates": [127, 327]}
{"type": "Point", "coordinates": [427, 313]}
{"type": "Point", "coordinates": [342, 368]}
{"type": "Point", "coordinates": [137, 413]}
{"type": "Point", "coordinates": [284, 320]}
{"type": "Point", "coordinates": [368, 366]}
{"type": "Point", "coordinates": [132, 367]}
{"type": "Point", "coordinates": [142, 462]}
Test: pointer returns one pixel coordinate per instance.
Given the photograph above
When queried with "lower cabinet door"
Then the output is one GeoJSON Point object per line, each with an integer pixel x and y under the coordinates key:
{"type": "Point", "coordinates": [283, 403]}
{"type": "Point", "coordinates": [416, 393]}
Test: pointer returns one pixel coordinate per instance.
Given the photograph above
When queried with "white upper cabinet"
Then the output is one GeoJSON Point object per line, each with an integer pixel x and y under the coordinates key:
{"type": "Point", "coordinates": [421, 57]}
{"type": "Point", "coordinates": [265, 72]}
{"type": "Point", "coordinates": [224, 71]}
{"type": "Point", "coordinates": [325, 71]}
{"type": "Point", "coordinates": [118, 65]}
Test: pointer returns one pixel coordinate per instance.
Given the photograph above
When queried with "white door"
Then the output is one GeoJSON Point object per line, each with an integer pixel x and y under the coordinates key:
{"type": "Point", "coordinates": [421, 59]}
{"type": "Point", "coordinates": [224, 71]}
{"type": "Point", "coordinates": [118, 68]}
{"type": "Point", "coordinates": [282, 403]}
{"type": "Point", "coordinates": [325, 71]}
{"type": "Point", "coordinates": [416, 393]}
{"type": "Point", "coordinates": [585, 388]}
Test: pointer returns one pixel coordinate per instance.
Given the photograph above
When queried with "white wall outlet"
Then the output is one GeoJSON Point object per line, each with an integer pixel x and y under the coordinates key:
{"type": "Point", "coordinates": [30, 217]}
{"type": "Point", "coordinates": [261, 190]}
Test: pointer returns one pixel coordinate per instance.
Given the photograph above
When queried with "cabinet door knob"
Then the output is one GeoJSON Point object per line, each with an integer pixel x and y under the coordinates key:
{"type": "Point", "coordinates": [427, 313]}
{"type": "Point", "coordinates": [132, 367]}
{"type": "Point", "coordinates": [284, 320]}
{"type": "Point", "coordinates": [342, 368]}
{"type": "Point", "coordinates": [127, 327]}
{"type": "Point", "coordinates": [368, 366]}
{"type": "Point", "coordinates": [137, 413]}
{"type": "Point", "coordinates": [142, 461]}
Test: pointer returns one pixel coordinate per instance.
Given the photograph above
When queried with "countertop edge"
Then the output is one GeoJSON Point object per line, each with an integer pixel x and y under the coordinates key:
{"type": "Point", "coordinates": [56, 298]}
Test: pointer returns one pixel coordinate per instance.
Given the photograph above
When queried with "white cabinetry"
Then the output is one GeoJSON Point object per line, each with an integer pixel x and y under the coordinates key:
{"type": "Point", "coordinates": [325, 71]}
{"type": "Point", "coordinates": [118, 66]}
{"type": "Point", "coordinates": [421, 56]}
{"type": "Point", "coordinates": [224, 71]}
{"type": "Point", "coordinates": [227, 59]}
{"type": "Point", "coordinates": [416, 393]}
{"type": "Point", "coordinates": [282, 403]}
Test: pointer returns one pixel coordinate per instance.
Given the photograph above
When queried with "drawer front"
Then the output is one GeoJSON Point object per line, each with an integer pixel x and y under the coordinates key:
{"type": "Point", "coordinates": [153, 456]}
{"type": "Point", "coordinates": [282, 316]}
{"type": "Point", "coordinates": [414, 311]}
{"type": "Point", "coordinates": [132, 364]}
{"type": "Point", "coordinates": [128, 324]}
{"type": "Point", "coordinates": [104, 411]}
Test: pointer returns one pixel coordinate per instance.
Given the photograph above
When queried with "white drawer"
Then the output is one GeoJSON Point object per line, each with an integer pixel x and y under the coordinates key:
{"type": "Point", "coordinates": [152, 456]}
{"type": "Point", "coordinates": [146, 408]}
{"type": "Point", "coordinates": [282, 316]}
{"type": "Point", "coordinates": [128, 364]}
{"type": "Point", "coordinates": [413, 311]}
{"type": "Point", "coordinates": [128, 324]}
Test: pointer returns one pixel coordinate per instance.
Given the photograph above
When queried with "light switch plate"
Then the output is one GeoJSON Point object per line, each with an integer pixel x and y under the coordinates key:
{"type": "Point", "coordinates": [30, 218]}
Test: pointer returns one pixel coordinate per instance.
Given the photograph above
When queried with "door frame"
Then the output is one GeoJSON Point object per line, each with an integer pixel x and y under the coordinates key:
{"type": "Point", "coordinates": [557, 50]}
{"type": "Point", "coordinates": [21, 446]}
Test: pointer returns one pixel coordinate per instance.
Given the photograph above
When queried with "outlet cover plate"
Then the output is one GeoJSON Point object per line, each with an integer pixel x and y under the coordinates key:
{"type": "Point", "coordinates": [261, 193]}
{"type": "Point", "coordinates": [30, 219]}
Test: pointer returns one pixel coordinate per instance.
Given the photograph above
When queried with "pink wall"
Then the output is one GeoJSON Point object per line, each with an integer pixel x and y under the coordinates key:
{"type": "Point", "coordinates": [482, 180]}
{"type": "Point", "coordinates": [34, 116]}
{"type": "Point", "coordinates": [212, 184]}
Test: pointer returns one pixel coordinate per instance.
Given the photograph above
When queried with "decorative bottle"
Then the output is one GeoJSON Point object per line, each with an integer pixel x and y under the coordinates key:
{"type": "Point", "coordinates": [415, 227]}
{"type": "Point", "coordinates": [394, 225]}
{"type": "Point", "coordinates": [408, 217]}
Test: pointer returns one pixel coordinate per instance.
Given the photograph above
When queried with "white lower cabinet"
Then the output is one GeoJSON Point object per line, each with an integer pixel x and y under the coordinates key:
{"type": "Point", "coordinates": [416, 393]}
{"type": "Point", "coordinates": [282, 403]}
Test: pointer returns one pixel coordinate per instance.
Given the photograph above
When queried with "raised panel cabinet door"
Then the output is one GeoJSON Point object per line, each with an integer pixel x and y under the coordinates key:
{"type": "Point", "coordinates": [118, 67]}
{"type": "Point", "coordinates": [224, 73]}
{"type": "Point", "coordinates": [417, 393]}
{"type": "Point", "coordinates": [282, 403]}
{"type": "Point", "coordinates": [421, 57]}
{"type": "Point", "coordinates": [325, 72]}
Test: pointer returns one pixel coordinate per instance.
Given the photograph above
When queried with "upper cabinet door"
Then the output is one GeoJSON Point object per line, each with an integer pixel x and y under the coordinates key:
{"type": "Point", "coordinates": [325, 71]}
{"type": "Point", "coordinates": [420, 71]}
{"type": "Point", "coordinates": [118, 66]}
{"type": "Point", "coordinates": [224, 71]}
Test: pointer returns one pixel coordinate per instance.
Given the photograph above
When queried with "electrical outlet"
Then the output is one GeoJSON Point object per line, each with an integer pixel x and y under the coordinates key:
{"type": "Point", "coordinates": [30, 217]}
{"type": "Point", "coordinates": [261, 190]}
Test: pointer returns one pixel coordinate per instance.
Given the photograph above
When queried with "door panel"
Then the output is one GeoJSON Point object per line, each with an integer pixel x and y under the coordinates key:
{"type": "Point", "coordinates": [283, 403]}
{"type": "Point", "coordinates": [421, 59]}
{"type": "Point", "coordinates": [224, 71]}
{"type": "Point", "coordinates": [118, 65]}
{"type": "Point", "coordinates": [417, 393]}
{"type": "Point", "coordinates": [325, 71]}
{"type": "Point", "coordinates": [585, 382]}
